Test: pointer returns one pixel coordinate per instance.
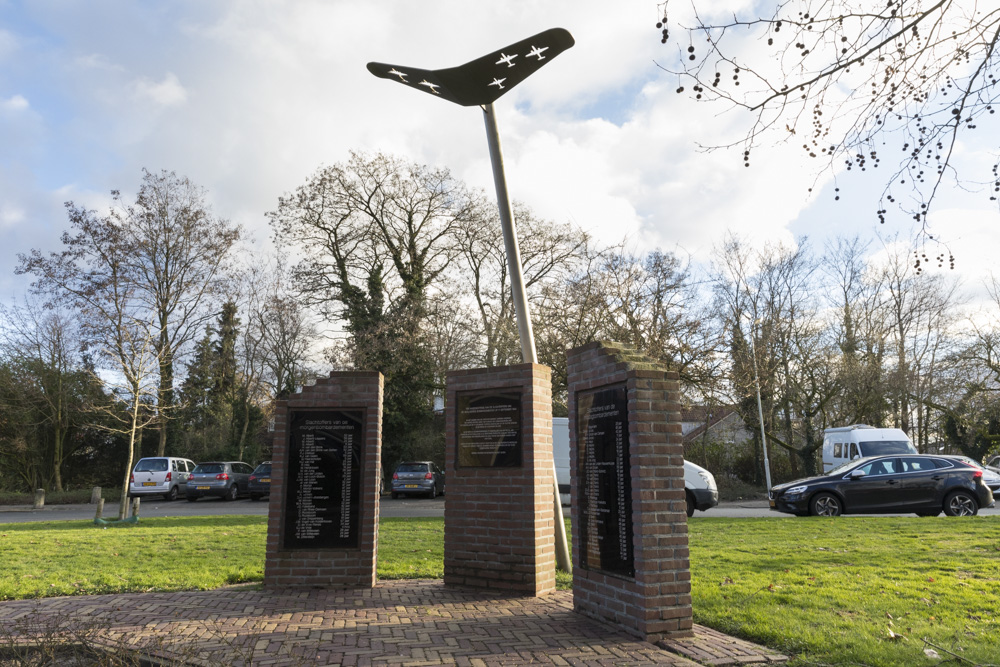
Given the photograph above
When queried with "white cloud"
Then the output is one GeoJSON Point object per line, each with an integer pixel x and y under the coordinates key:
{"type": "Point", "coordinates": [272, 90]}
{"type": "Point", "coordinates": [10, 216]}
{"type": "Point", "coordinates": [168, 92]}
{"type": "Point", "coordinates": [14, 103]}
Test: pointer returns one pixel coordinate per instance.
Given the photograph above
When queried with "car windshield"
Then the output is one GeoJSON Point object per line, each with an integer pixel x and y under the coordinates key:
{"type": "Point", "coordinates": [412, 467]}
{"type": "Point", "coordinates": [263, 469]}
{"type": "Point", "coordinates": [883, 447]}
{"type": "Point", "coordinates": [210, 467]}
{"type": "Point", "coordinates": [151, 465]}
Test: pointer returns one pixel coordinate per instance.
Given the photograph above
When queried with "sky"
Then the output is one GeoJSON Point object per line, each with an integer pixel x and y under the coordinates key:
{"type": "Point", "coordinates": [247, 98]}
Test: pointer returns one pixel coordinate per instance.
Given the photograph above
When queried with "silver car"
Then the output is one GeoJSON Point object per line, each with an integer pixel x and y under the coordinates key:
{"type": "Point", "coordinates": [165, 476]}
{"type": "Point", "coordinates": [990, 477]}
{"type": "Point", "coordinates": [222, 479]}
{"type": "Point", "coordinates": [418, 478]}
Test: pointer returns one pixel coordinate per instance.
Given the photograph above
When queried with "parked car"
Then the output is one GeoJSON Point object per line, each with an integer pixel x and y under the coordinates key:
{"type": "Point", "coordinates": [419, 478]}
{"type": "Point", "coordinates": [260, 481]}
{"type": "Point", "coordinates": [223, 479]}
{"type": "Point", "coordinates": [165, 476]}
{"type": "Point", "coordinates": [923, 484]}
{"type": "Point", "coordinates": [990, 478]}
{"type": "Point", "coordinates": [699, 488]}
{"type": "Point", "coordinates": [994, 464]}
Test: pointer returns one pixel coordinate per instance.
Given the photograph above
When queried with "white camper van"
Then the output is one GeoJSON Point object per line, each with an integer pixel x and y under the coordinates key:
{"type": "Point", "coordinates": [846, 443]}
{"type": "Point", "coordinates": [699, 484]}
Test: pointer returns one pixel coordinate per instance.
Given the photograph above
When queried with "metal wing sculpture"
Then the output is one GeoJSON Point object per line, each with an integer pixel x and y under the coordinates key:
{"type": "Point", "coordinates": [485, 79]}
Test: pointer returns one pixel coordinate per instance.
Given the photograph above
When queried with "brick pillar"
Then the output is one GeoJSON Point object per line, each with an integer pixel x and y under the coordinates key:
{"type": "Point", "coordinates": [314, 537]}
{"type": "Point", "coordinates": [644, 589]}
{"type": "Point", "coordinates": [499, 517]}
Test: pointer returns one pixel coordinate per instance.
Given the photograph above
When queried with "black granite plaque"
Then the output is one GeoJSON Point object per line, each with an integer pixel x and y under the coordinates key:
{"type": "Point", "coordinates": [489, 429]}
{"type": "Point", "coordinates": [323, 479]}
{"type": "Point", "coordinates": [605, 484]}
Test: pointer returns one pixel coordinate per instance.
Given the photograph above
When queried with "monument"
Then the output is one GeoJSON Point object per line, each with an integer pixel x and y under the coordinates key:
{"type": "Point", "coordinates": [630, 540]}
{"type": "Point", "coordinates": [499, 522]}
{"type": "Point", "coordinates": [326, 472]}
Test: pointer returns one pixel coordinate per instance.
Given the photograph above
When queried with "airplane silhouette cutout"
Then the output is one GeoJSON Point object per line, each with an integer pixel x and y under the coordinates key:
{"type": "Point", "coordinates": [504, 58]}
{"type": "Point", "coordinates": [483, 80]}
{"type": "Point", "coordinates": [536, 52]}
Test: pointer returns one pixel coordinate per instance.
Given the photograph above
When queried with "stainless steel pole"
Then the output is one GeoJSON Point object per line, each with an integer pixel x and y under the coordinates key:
{"type": "Point", "coordinates": [760, 411]}
{"type": "Point", "coordinates": [528, 354]}
{"type": "Point", "coordinates": [510, 240]}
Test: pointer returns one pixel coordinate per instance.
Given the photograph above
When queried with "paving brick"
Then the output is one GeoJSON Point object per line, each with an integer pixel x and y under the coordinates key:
{"type": "Point", "coordinates": [396, 623]}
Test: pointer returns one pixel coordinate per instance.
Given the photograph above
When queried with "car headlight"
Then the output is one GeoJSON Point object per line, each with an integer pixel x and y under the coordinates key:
{"type": "Point", "coordinates": [796, 490]}
{"type": "Point", "coordinates": [709, 479]}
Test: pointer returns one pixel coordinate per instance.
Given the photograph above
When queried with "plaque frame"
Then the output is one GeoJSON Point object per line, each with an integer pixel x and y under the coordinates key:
{"type": "Point", "coordinates": [358, 417]}
{"type": "Point", "coordinates": [604, 513]}
{"type": "Point", "coordinates": [513, 457]}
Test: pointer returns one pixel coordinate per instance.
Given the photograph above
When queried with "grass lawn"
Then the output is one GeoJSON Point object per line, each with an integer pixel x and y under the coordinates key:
{"type": "Point", "coordinates": [829, 591]}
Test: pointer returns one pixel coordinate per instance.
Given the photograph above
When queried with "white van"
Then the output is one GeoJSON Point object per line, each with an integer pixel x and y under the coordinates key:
{"type": "Point", "coordinates": [846, 443]}
{"type": "Point", "coordinates": [699, 484]}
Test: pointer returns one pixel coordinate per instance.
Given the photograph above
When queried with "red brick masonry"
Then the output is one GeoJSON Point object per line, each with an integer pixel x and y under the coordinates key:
{"type": "Point", "coordinates": [399, 623]}
{"type": "Point", "coordinates": [656, 604]}
{"type": "Point", "coordinates": [338, 567]}
{"type": "Point", "coordinates": [499, 529]}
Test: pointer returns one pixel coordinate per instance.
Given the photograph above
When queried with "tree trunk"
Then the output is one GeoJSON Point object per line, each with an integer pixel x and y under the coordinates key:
{"type": "Point", "coordinates": [166, 398]}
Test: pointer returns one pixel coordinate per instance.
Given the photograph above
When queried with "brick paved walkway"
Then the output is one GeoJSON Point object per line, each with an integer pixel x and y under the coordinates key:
{"type": "Point", "coordinates": [399, 623]}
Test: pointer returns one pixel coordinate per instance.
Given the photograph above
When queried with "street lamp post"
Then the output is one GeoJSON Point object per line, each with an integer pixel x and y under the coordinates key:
{"type": "Point", "coordinates": [760, 409]}
{"type": "Point", "coordinates": [479, 83]}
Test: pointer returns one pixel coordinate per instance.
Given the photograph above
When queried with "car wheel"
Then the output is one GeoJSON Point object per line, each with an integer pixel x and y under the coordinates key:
{"type": "Point", "coordinates": [233, 493]}
{"type": "Point", "coordinates": [434, 492]}
{"type": "Point", "coordinates": [690, 504]}
{"type": "Point", "coordinates": [960, 503]}
{"type": "Point", "coordinates": [171, 495]}
{"type": "Point", "coordinates": [826, 504]}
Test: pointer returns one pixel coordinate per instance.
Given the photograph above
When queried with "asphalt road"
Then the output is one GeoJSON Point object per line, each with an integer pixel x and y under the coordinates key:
{"type": "Point", "coordinates": [150, 507]}
{"type": "Point", "coordinates": [416, 507]}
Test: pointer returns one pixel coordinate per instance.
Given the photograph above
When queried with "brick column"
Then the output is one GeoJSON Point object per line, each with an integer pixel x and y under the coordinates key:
{"type": "Point", "coordinates": [304, 557]}
{"type": "Point", "coordinates": [499, 521]}
{"type": "Point", "coordinates": [654, 603]}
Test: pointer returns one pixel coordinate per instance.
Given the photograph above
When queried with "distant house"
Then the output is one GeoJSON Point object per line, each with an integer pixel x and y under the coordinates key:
{"type": "Point", "coordinates": [713, 423]}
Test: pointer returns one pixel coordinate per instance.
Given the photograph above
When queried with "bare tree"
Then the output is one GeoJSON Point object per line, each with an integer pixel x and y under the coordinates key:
{"type": "Point", "coordinates": [375, 235]}
{"type": "Point", "coordinates": [43, 348]}
{"type": "Point", "coordinates": [916, 314]}
{"type": "Point", "coordinates": [93, 274]}
{"type": "Point", "coordinates": [177, 253]}
{"type": "Point", "coordinates": [651, 303]}
{"type": "Point", "coordinates": [549, 253]}
{"type": "Point", "coordinates": [278, 344]}
{"type": "Point", "coordinates": [778, 344]}
{"type": "Point", "coordinates": [848, 78]}
{"type": "Point", "coordinates": [861, 334]}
